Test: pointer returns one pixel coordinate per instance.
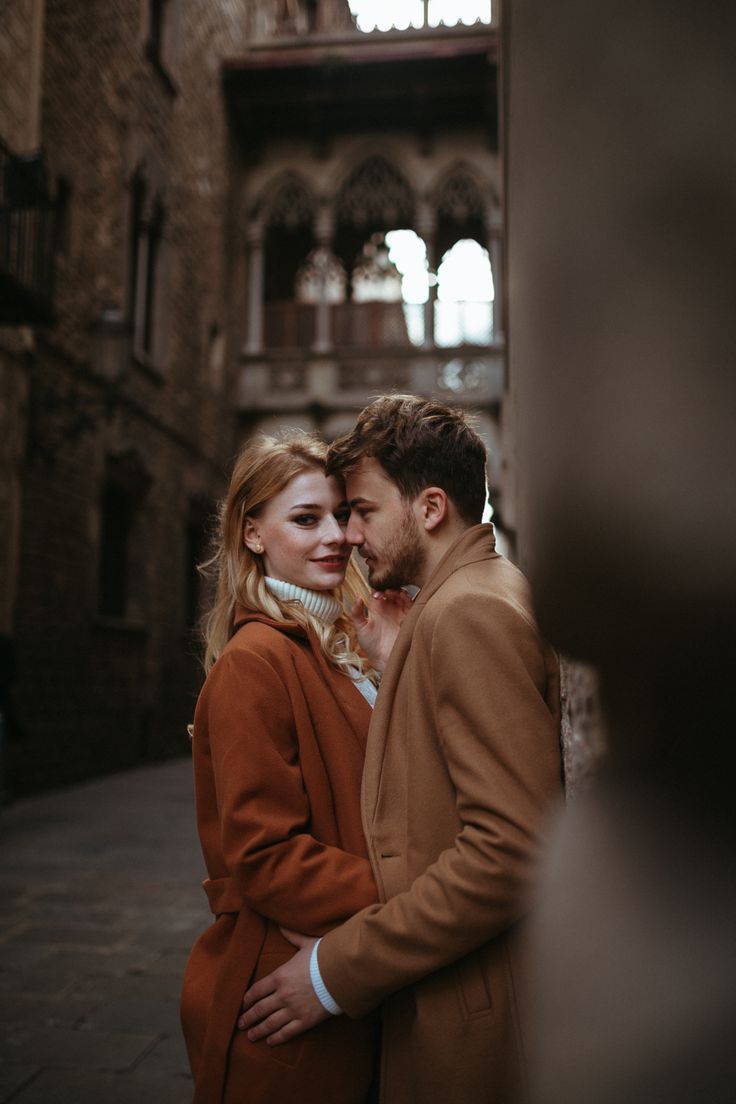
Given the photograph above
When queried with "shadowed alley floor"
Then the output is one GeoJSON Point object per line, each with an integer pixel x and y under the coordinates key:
{"type": "Point", "coordinates": [100, 901]}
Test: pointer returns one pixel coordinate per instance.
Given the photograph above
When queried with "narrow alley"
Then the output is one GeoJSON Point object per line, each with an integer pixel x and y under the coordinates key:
{"type": "Point", "coordinates": [100, 901]}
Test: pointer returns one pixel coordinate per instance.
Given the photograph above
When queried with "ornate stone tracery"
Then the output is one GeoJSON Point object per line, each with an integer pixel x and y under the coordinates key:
{"type": "Point", "coordinates": [459, 198]}
{"type": "Point", "coordinates": [459, 376]}
{"type": "Point", "coordinates": [292, 205]}
{"type": "Point", "coordinates": [377, 194]}
{"type": "Point", "coordinates": [321, 278]}
{"type": "Point", "coordinates": [374, 277]}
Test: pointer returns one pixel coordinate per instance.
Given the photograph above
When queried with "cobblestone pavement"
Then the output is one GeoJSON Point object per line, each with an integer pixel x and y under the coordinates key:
{"type": "Point", "coordinates": [100, 901]}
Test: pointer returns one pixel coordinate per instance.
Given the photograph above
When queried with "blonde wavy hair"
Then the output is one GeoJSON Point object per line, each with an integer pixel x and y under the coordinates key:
{"type": "Point", "coordinates": [262, 469]}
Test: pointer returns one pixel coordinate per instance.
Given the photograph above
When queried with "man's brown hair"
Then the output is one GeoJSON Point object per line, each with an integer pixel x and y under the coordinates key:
{"type": "Point", "coordinates": [419, 443]}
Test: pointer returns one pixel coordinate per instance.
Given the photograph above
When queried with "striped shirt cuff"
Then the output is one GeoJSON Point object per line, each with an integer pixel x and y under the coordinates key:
{"type": "Point", "coordinates": [321, 990]}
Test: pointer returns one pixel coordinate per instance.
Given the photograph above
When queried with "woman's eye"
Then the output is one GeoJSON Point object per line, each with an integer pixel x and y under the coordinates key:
{"type": "Point", "coordinates": [305, 519]}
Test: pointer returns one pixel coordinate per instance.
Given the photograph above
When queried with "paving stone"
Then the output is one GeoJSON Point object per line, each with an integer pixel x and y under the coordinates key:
{"type": "Point", "coordinates": [36, 985]}
{"type": "Point", "coordinates": [136, 1014]}
{"type": "Point", "coordinates": [98, 915]}
{"type": "Point", "coordinates": [76, 1048]}
{"type": "Point", "coordinates": [167, 1058]}
{"type": "Point", "coordinates": [24, 1007]}
{"type": "Point", "coordinates": [93, 950]}
{"type": "Point", "coordinates": [169, 963]}
{"type": "Point", "coordinates": [66, 1087]}
{"type": "Point", "coordinates": [11, 890]}
{"type": "Point", "coordinates": [12, 1077]}
{"type": "Point", "coordinates": [142, 986]}
{"type": "Point", "coordinates": [16, 958]}
{"type": "Point", "coordinates": [97, 962]}
{"type": "Point", "coordinates": [77, 936]}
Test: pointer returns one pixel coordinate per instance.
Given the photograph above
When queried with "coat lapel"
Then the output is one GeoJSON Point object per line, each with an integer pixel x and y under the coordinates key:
{"type": "Point", "coordinates": [351, 702]}
{"type": "Point", "coordinates": [380, 721]}
{"type": "Point", "coordinates": [476, 543]}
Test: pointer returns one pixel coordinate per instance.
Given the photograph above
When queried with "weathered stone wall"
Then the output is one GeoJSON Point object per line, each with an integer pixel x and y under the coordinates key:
{"type": "Point", "coordinates": [583, 726]}
{"type": "Point", "coordinates": [21, 46]}
{"type": "Point", "coordinates": [96, 693]}
{"type": "Point", "coordinates": [13, 387]}
{"type": "Point", "coordinates": [21, 24]}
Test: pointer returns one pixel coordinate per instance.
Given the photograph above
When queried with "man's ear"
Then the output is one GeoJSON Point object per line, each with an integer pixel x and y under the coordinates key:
{"type": "Point", "coordinates": [433, 507]}
{"type": "Point", "coordinates": [251, 538]}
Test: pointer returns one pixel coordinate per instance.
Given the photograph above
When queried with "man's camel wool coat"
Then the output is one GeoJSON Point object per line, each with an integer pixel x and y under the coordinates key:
{"type": "Point", "coordinates": [279, 741]}
{"type": "Point", "coordinates": [462, 767]}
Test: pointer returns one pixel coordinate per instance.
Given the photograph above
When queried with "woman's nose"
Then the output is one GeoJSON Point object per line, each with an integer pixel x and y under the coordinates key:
{"type": "Point", "coordinates": [333, 532]}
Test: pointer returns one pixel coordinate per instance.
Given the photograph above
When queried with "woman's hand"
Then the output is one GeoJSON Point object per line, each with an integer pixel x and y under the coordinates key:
{"type": "Point", "coordinates": [377, 624]}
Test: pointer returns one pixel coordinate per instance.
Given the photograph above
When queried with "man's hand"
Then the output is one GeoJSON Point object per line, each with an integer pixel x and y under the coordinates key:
{"type": "Point", "coordinates": [284, 1004]}
{"type": "Point", "coordinates": [378, 624]}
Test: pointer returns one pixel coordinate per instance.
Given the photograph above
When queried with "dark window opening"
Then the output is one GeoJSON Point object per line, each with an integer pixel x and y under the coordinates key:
{"type": "Point", "coordinates": [137, 202]}
{"type": "Point", "coordinates": [116, 517]}
{"type": "Point", "coordinates": [156, 27]}
{"type": "Point", "coordinates": [146, 232]}
{"type": "Point", "coordinates": [149, 298]}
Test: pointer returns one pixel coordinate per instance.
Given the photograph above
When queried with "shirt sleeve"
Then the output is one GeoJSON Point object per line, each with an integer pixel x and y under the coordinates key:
{"type": "Point", "coordinates": [280, 869]}
{"type": "Point", "coordinates": [501, 750]}
{"type": "Point", "coordinates": [320, 989]}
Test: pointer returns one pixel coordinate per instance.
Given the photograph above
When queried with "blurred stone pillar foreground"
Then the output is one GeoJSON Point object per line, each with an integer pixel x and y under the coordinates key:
{"type": "Point", "coordinates": [622, 238]}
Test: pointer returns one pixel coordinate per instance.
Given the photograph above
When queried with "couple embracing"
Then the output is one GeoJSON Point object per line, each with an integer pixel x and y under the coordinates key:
{"type": "Point", "coordinates": [371, 774]}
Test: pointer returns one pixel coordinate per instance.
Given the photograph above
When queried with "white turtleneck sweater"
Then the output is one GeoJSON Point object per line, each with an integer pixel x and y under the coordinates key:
{"type": "Point", "coordinates": [326, 609]}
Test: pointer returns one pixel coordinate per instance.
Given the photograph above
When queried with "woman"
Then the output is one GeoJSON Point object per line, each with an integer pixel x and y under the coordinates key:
{"type": "Point", "coordinates": [278, 746]}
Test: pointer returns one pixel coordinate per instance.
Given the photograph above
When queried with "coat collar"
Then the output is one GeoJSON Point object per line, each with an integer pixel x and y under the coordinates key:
{"type": "Point", "coordinates": [476, 543]}
{"type": "Point", "coordinates": [352, 703]}
{"type": "Point", "coordinates": [243, 616]}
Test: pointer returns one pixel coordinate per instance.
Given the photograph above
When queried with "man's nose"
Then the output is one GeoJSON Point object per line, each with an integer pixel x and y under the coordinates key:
{"type": "Point", "coordinates": [354, 532]}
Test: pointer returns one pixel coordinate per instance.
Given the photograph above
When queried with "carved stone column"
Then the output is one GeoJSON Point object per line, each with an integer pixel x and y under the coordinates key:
{"type": "Point", "coordinates": [494, 227]}
{"type": "Point", "coordinates": [426, 228]}
{"type": "Point", "coordinates": [324, 228]}
{"type": "Point", "coordinates": [254, 238]}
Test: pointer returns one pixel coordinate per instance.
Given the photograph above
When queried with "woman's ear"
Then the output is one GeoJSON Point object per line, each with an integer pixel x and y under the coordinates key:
{"type": "Point", "coordinates": [251, 538]}
{"type": "Point", "coordinates": [433, 507]}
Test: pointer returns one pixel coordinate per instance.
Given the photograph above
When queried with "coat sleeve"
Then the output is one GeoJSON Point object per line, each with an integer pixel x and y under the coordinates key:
{"type": "Point", "coordinates": [501, 749]}
{"type": "Point", "coordinates": [280, 869]}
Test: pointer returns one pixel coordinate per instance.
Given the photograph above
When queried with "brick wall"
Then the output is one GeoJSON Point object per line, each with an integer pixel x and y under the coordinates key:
{"type": "Point", "coordinates": [21, 28]}
{"type": "Point", "coordinates": [13, 385]}
{"type": "Point", "coordinates": [96, 692]}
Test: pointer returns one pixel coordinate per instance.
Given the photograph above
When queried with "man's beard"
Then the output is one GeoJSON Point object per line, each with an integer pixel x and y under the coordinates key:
{"type": "Point", "coordinates": [402, 559]}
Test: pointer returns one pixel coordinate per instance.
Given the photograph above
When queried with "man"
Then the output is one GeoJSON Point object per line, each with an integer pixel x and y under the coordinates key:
{"type": "Point", "coordinates": [461, 768]}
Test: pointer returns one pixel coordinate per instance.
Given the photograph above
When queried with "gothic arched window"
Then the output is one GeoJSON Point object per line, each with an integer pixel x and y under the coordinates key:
{"type": "Point", "coordinates": [147, 217]}
{"type": "Point", "coordinates": [289, 242]}
{"type": "Point", "coordinates": [375, 197]}
{"type": "Point", "coordinates": [321, 279]}
{"type": "Point", "coordinates": [289, 237]}
{"type": "Point", "coordinates": [460, 206]}
{"type": "Point", "coordinates": [464, 310]}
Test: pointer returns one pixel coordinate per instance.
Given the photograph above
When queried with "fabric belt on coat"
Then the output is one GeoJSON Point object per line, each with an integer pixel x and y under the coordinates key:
{"type": "Point", "coordinates": [223, 895]}
{"type": "Point", "coordinates": [233, 977]}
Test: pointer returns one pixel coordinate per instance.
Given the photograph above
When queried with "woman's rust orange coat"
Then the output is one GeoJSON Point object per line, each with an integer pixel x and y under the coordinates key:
{"type": "Point", "coordinates": [279, 742]}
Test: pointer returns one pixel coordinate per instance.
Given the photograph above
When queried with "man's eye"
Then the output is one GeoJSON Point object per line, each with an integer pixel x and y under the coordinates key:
{"type": "Point", "coordinates": [342, 517]}
{"type": "Point", "coordinates": [305, 519]}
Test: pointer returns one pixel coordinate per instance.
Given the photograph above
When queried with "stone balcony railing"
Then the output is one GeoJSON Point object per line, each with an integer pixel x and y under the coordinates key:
{"type": "Point", "coordinates": [280, 381]}
{"type": "Point", "coordinates": [291, 325]}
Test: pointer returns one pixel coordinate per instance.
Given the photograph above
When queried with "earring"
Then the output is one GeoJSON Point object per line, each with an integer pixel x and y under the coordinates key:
{"type": "Point", "coordinates": [259, 549]}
